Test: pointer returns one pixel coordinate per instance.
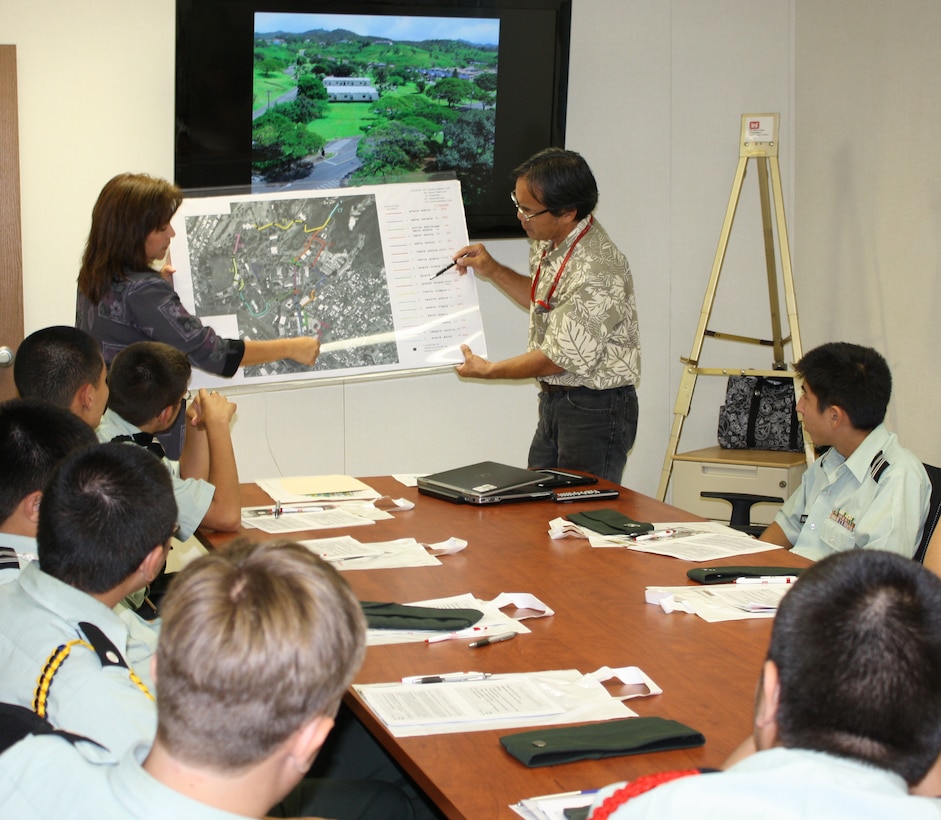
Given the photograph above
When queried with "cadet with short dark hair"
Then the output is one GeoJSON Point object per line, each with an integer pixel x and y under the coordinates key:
{"type": "Point", "coordinates": [866, 491]}
{"type": "Point", "coordinates": [148, 392]}
{"type": "Point", "coordinates": [848, 709]}
{"type": "Point", "coordinates": [64, 366]}
{"type": "Point", "coordinates": [34, 437]}
{"type": "Point", "coordinates": [105, 523]}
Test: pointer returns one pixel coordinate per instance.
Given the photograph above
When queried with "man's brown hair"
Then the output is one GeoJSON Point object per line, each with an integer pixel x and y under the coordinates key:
{"type": "Point", "coordinates": [256, 641]}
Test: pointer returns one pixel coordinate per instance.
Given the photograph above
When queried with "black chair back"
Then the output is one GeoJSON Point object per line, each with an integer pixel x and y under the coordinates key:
{"type": "Point", "coordinates": [934, 511]}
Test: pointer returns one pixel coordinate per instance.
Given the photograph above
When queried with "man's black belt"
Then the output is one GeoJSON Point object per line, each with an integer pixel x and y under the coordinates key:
{"type": "Point", "coordinates": [545, 387]}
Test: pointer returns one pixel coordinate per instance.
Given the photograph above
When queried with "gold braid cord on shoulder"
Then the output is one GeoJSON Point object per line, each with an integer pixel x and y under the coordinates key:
{"type": "Point", "coordinates": [48, 673]}
{"type": "Point", "coordinates": [52, 665]}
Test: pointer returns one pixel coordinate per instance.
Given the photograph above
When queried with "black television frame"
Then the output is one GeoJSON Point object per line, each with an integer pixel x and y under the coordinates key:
{"type": "Point", "coordinates": [215, 44]}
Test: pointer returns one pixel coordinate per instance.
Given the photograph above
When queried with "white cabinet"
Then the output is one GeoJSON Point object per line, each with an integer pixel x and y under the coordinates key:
{"type": "Point", "coordinates": [759, 472]}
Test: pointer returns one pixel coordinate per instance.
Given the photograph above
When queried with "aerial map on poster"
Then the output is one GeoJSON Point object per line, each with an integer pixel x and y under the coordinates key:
{"type": "Point", "coordinates": [354, 267]}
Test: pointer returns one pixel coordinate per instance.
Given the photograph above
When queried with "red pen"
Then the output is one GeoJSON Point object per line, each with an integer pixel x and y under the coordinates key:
{"type": "Point", "coordinates": [464, 633]}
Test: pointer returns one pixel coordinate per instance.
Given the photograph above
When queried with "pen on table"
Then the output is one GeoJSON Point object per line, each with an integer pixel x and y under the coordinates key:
{"type": "Point", "coordinates": [647, 536]}
{"type": "Point", "coordinates": [463, 633]}
{"type": "Point", "coordinates": [579, 793]}
{"type": "Point", "coordinates": [768, 579]}
{"type": "Point", "coordinates": [506, 636]}
{"type": "Point", "coordinates": [277, 511]}
{"type": "Point", "coordinates": [446, 268]}
{"type": "Point", "coordinates": [450, 677]}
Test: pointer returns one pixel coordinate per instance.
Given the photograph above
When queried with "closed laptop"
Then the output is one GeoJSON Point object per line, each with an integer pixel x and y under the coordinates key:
{"type": "Point", "coordinates": [486, 482]}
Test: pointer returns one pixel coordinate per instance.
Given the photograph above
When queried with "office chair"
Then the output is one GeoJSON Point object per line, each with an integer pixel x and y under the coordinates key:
{"type": "Point", "coordinates": [740, 518]}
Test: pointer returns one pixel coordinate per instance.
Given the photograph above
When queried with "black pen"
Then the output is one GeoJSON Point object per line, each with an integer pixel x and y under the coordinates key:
{"type": "Point", "coordinates": [450, 677]}
{"type": "Point", "coordinates": [446, 268]}
{"type": "Point", "coordinates": [506, 636]}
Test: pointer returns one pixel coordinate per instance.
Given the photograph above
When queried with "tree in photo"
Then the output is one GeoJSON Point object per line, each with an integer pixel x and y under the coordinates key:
{"type": "Point", "coordinates": [271, 65]}
{"type": "Point", "coordinates": [280, 145]}
{"type": "Point", "coordinates": [468, 150]}
{"type": "Point", "coordinates": [303, 110]}
{"type": "Point", "coordinates": [486, 82]}
{"type": "Point", "coordinates": [394, 108]}
{"type": "Point", "coordinates": [453, 90]}
{"type": "Point", "coordinates": [391, 148]}
{"type": "Point", "coordinates": [311, 87]}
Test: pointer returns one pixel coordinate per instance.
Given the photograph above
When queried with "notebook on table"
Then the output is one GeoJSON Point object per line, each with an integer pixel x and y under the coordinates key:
{"type": "Point", "coordinates": [489, 482]}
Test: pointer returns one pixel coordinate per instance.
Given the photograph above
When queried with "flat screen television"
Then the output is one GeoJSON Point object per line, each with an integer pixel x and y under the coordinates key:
{"type": "Point", "coordinates": [322, 94]}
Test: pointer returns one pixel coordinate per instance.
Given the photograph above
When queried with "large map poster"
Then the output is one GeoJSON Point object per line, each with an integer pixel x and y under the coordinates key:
{"type": "Point", "coordinates": [354, 267]}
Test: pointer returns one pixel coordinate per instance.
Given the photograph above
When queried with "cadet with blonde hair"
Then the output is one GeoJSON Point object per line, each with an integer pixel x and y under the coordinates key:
{"type": "Point", "coordinates": [269, 632]}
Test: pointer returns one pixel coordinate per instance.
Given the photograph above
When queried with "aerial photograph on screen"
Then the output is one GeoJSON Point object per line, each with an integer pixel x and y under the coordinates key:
{"type": "Point", "coordinates": [345, 99]}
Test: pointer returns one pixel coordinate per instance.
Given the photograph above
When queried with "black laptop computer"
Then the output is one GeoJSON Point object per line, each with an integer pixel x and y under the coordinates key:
{"type": "Point", "coordinates": [489, 482]}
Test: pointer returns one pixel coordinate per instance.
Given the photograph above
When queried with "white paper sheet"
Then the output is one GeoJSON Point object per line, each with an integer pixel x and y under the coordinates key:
{"type": "Point", "coordinates": [296, 522]}
{"type": "Point", "coordinates": [408, 479]}
{"type": "Point", "coordinates": [502, 702]}
{"type": "Point", "coordinates": [184, 553]}
{"type": "Point", "coordinates": [720, 602]}
{"type": "Point", "coordinates": [703, 547]}
{"type": "Point", "coordinates": [402, 552]}
{"type": "Point", "coordinates": [418, 705]}
{"type": "Point", "coordinates": [691, 541]}
{"type": "Point", "coordinates": [317, 488]}
{"type": "Point", "coordinates": [553, 806]}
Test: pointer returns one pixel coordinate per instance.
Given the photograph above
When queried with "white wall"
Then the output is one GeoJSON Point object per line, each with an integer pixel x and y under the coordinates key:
{"type": "Point", "coordinates": [657, 90]}
{"type": "Point", "coordinates": [664, 148]}
{"type": "Point", "coordinates": [868, 192]}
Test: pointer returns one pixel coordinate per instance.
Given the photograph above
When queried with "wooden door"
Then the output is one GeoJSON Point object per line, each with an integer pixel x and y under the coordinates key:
{"type": "Point", "coordinates": [11, 251]}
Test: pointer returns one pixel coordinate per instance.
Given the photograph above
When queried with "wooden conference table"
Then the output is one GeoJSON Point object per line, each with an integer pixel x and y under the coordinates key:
{"type": "Point", "coordinates": [707, 671]}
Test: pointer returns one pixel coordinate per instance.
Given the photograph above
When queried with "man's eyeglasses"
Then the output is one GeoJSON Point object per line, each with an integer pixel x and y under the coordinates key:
{"type": "Point", "coordinates": [527, 215]}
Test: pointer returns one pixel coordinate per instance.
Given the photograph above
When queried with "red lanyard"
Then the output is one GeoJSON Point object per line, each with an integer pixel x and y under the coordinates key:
{"type": "Point", "coordinates": [544, 306]}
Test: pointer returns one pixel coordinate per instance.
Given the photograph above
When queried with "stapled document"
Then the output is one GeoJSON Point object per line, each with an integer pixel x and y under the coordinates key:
{"type": "Point", "coordinates": [500, 702]}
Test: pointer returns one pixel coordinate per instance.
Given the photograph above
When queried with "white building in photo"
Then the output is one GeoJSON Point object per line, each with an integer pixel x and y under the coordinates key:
{"type": "Point", "coordinates": [350, 89]}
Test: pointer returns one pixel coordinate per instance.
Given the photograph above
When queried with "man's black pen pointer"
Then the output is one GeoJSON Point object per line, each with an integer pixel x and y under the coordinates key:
{"type": "Point", "coordinates": [446, 268]}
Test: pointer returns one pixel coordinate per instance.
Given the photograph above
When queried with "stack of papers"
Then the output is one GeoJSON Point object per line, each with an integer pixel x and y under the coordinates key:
{"type": "Point", "coordinates": [318, 503]}
{"type": "Point", "coordinates": [556, 806]}
{"type": "Point", "coordinates": [720, 602]}
{"type": "Point", "coordinates": [688, 541]}
{"type": "Point", "coordinates": [697, 545]}
{"type": "Point", "coordinates": [314, 517]}
{"type": "Point", "coordinates": [346, 553]}
{"type": "Point", "coordinates": [317, 488]}
{"type": "Point", "coordinates": [499, 702]}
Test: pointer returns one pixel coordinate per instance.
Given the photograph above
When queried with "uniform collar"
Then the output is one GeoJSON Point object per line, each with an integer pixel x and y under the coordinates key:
{"type": "Point", "coordinates": [71, 604]}
{"type": "Point", "coordinates": [146, 797]}
{"type": "Point", "coordinates": [114, 425]}
{"type": "Point", "coordinates": [858, 463]}
{"type": "Point", "coordinates": [20, 543]}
